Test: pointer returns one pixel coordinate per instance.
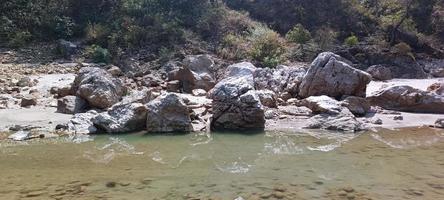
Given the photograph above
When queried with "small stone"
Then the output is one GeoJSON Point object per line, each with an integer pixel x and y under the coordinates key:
{"type": "Point", "coordinates": [377, 121]}
{"type": "Point", "coordinates": [199, 92]}
{"type": "Point", "coordinates": [28, 100]}
{"type": "Point", "coordinates": [349, 189]}
{"type": "Point", "coordinates": [111, 184]}
{"type": "Point", "coordinates": [398, 118]}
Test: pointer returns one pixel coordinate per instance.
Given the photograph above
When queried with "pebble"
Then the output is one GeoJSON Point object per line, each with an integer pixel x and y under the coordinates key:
{"type": "Point", "coordinates": [111, 184]}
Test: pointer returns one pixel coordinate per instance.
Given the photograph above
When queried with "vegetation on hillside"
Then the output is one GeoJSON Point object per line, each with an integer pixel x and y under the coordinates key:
{"type": "Point", "coordinates": [266, 32]}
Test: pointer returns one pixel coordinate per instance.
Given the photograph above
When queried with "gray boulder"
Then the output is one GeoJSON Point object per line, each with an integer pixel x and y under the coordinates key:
{"type": "Point", "coordinates": [357, 105]}
{"type": "Point", "coordinates": [168, 113]}
{"type": "Point", "coordinates": [66, 48]}
{"type": "Point", "coordinates": [283, 79]}
{"type": "Point", "coordinates": [267, 97]}
{"type": "Point", "coordinates": [380, 72]}
{"type": "Point", "coordinates": [236, 106]}
{"type": "Point", "coordinates": [122, 118]}
{"type": "Point", "coordinates": [81, 123]}
{"type": "Point", "coordinates": [98, 87]}
{"type": "Point", "coordinates": [321, 104]}
{"type": "Point", "coordinates": [409, 99]}
{"type": "Point", "coordinates": [434, 67]}
{"type": "Point", "coordinates": [71, 105]}
{"type": "Point", "coordinates": [344, 121]}
{"type": "Point", "coordinates": [330, 115]}
{"type": "Point", "coordinates": [330, 75]}
{"type": "Point", "coordinates": [196, 73]}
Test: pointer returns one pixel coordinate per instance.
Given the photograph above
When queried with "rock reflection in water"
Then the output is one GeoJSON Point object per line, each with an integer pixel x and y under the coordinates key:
{"type": "Point", "coordinates": [228, 166]}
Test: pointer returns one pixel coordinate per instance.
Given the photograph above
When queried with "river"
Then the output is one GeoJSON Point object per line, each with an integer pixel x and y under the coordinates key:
{"type": "Point", "coordinates": [388, 164]}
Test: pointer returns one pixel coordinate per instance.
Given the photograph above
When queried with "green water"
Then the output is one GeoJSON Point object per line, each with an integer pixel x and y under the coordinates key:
{"type": "Point", "coordinates": [403, 164]}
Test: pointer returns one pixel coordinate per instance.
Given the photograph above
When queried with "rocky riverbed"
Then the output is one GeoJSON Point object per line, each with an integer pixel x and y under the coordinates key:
{"type": "Point", "coordinates": [196, 95]}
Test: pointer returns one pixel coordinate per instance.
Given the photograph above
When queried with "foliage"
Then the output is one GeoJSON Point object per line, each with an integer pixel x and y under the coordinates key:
{"type": "Point", "coordinates": [298, 34]}
{"type": "Point", "coordinates": [267, 47]}
{"type": "Point", "coordinates": [351, 41]}
{"type": "Point", "coordinates": [325, 37]}
{"type": "Point", "coordinates": [98, 54]}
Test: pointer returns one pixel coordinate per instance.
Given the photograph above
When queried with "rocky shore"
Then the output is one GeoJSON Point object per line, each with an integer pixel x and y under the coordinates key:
{"type": "Point", "coordinates": [197, 95]}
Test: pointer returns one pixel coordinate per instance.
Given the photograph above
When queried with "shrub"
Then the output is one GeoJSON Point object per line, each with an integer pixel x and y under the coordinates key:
{"type": "Point", "coordinates": [351, 41]}
{"type": "Point", "coordinates": [96, 34]}
{"type": "Point", "coordinates": [20, 39]}
{"type": "Point", "coordinates": [325, 37]}
{"type": "Point", "coordinates": [98, 54]}
{"type": "Point", "coordinates": [267, 48]}
{"type": "Point", "coordinates": [298, 35]}
{"type": "Point", "coordinates": [402, 48]}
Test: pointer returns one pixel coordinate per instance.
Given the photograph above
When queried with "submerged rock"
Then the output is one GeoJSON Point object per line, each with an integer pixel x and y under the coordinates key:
{"type": "Point", "coordinates": [236, 106]}
{"type": "Point", "coordinates": [409, 99]}
{"type": "Point", "coordinates": [99, 88]}
{"type": "Point", "coordinates": [342, 121]}
{"type": "Point", "coordinates": [20, 136]}
{"type": "Point", "coordinates": [168, 113]}
{"type": "Point", "coordinates": [330, 75]}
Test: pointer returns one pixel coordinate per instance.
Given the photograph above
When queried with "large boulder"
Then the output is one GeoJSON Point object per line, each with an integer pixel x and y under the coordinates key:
{"type": "Point", "coordinates": [279, 80]}
{"type": "Point", "coordinates": [343, 121]}
{"type": "Point", "coordinates": [322, 104]}
{"type": "Point", "coordinates": [98, 87]}
{"type": "Point", "coordinates": [71, 105]}
{"type": "Point", "coordinates": [81, 123]}
{"type": "Point", "coordinates": [267, 97]}
{"type": "Point", "coordinates": [357, 105]}
{"type": "Point", "coordinates": [195, 73]}
{"type": "Point", "coordinates": [409, 99]}
{"type": "Point", "coordinates": [330, 115]}
{"type": "Point", "coordinates": [380, 72]}
{"type": "Point", "coordinates": [330, 75]}
{"type": "Point", "coordinates": [434, 67]}
{"type": "Point", "coordinates": [168, 113]}
{"type": "Point", "coordinates": [122, 118]}
{"type": "Point", "coordinates": [129, 115]}
{"type": "Point", "coordinates": [236, 106]}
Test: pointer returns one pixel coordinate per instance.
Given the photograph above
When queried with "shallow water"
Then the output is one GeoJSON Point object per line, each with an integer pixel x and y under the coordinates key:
{"type": "Point", "coordinates": [403, 164]}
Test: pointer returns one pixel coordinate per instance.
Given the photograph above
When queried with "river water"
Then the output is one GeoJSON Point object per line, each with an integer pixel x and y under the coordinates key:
{"type": "Point", "coordinates": [388, 164]}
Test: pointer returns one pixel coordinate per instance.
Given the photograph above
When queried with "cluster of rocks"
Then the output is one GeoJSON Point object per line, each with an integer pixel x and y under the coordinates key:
{"type": "Point", "coordinates": [188, 97]}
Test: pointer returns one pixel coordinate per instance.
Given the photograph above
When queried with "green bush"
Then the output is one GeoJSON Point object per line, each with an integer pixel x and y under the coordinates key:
{"type": "Point", "coordinates": [20, 39]}
{"type": "Point", "coordinates": [325, 37]}
{"type": "Point", "coordinates": [267, 48]}
{"type": "Point", "coordinates": [98, 54]}
{"type": "Point", "coordinates": [298, 35]}
{"type": "Point", "coordinates": [351, 41]}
